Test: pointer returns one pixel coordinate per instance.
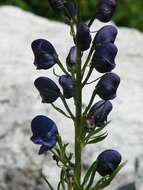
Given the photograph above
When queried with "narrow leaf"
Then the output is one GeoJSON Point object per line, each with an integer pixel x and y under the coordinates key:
{"type": "Point", "coordinates": [97, 139]}
{"type": "Point", "coordinates": [46, 180]}
{"type": "Point", "coordinates": [92, 177]}
{"type": "Point", "coordinates": [87, 176]}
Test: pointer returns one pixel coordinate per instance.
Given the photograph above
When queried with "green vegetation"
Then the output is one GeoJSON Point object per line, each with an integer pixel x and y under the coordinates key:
{"type": "Point", "coordinates": [129, 12]}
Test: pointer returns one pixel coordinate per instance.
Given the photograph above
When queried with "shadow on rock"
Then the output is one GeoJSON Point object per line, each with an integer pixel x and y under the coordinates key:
{"type": "Point", "coordinates": [130, 186]}
{"type": "Point", "coordinates": [22, 179]}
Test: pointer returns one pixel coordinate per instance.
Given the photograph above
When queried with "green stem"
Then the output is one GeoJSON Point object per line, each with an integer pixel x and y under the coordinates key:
{"type": "Point", "coordinates": [91, 21]}
{"type": "Point", "coordinates": [90, 102]}
{"type": "Point", "coordinates": [78, 118]}
{"type": "Point", "coordinates": [88, 76]}
{"type": "Point", "coordinates": [60, 111]}
{"type": "Point", "coordinates": [78, 121]}
{"type": "Point", "coordinates": [94, 80]}
{"type": "Point", "coordinates": [72, 31]}
{"type": "Point", "coordinates": [66, 106]}
{"type": "Point", "coordinates": [87, 60]}
{"type": "Point", "coordinates": [62, 67]}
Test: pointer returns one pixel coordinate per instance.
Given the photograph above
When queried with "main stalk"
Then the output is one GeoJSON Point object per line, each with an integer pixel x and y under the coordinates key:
{"type": "Point", "coordinates": [78, 118]}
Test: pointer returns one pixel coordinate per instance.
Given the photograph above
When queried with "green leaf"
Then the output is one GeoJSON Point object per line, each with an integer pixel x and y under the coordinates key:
{"type": "Point", "coordinates": [88, 173]}
{"type": "Point", "coordinates": [97, 139]}
{"type": "Point", "coordinates": [91, 178]}
{"type": "Point", "coordinates": [46, 180]}
{"type": "Point", "coordinates": [62, 177]}
{"type": "Point", "coordinates": [94, 131]}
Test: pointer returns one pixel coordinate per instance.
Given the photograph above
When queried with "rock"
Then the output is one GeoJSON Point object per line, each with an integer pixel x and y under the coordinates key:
{"type": "Point", "coordinates": [20, 102]}
{"type": "Point", "coordinates": [127, 187]}
{"type": "Point", "coordinates": [139, 172]}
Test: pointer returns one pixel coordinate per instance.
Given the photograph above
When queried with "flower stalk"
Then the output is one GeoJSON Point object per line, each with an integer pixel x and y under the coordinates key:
{"type": "Point", "coordinates": [89, 123]}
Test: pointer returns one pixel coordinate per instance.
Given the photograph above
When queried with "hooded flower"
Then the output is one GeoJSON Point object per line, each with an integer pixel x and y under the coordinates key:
{"type": "Point", "coordinates": [99, 112]}
{"type": "Point", "coordinates": [107, 86]}
{"type": "Point", "coordinates": [68, 86]}
{"type": "Point", "coordinates": [104, 58]}
{"type": "Point", "coordinates": [44, 53]}
{"type": "Point", "coordinates": [48, 90]}
{"type": "Point", "coordinates": [105, 10]}
{"type": "Point", "coordinates": [56, 4]}
{"type": "Point", "coordinates": [44, 133]}
{"type": "Point", "coordinates": [108, 161]}
{"type": "Point", "coordinates": [107, 34]}
{"type": "Point", "coordinates": [83, 37]}
{"type": "Point", "coordinates": [72, 57]}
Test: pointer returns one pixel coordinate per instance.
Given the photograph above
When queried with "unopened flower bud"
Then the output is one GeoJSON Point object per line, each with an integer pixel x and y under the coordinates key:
{"type": "Point", "coordinates": [105, 10]}
{"type": "Point", "coordinates": [107, 86]}
{"type": "Point", "coordinates": [68, 86]}
{"type": "Point", "coordinates": [71, 8]}
{"type": "Point", "coordinates": [56, 4]}
{"type": "Point", "coordinates": [99, 112]}
{"type": "Point", "coordinates": [72, 57]}
{"type": "Point", "coordinates": [108, 161]}
{"type": "Point", "coordinates": [104, 57]}
{"type": "Point", "coordinates": [106, 34]}
{"type": "Point", "coordinates": [83, 37]}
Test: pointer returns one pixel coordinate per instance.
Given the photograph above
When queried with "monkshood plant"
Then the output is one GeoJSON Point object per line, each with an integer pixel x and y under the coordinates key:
{"type": "Point", "coordinates": [89, 122]}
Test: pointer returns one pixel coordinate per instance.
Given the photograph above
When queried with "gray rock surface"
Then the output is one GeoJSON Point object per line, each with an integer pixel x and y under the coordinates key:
{"type": "Point", "coordinates": [139, 172]}
{"type": "Point", "coordinates": [20, 102]}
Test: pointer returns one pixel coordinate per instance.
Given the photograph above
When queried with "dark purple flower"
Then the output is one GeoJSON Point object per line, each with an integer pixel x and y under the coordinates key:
{"type": "Point", "coordinates": [104, 57]}
{"type": "Point", "coordinates": [44, 133]}
{"type": "Point", "coordinates": [106, 34]}
{"type": "Point", "coordinates": [44, 53]}
{"type": "Point", "coordinates": [105, 10]}
{"type": "Point", "coordinates": [68, 86]}
{"type": "Point", "coordinates": [71, 7]}
{"type": "Point", "coordinates": [107, 86]}
{"type": "Point", "coordinates": [83, 37]}
{"type": "Point", "coordinates": [72, 57]}
{"type": "Point", "coordinates": [56, 4]}
{"type": "Point", "coordinates": [108, 161]}
{"type": "Point", "coordinates": [97, 115]}
{"type": "Point", "coordinates": [48, 90]}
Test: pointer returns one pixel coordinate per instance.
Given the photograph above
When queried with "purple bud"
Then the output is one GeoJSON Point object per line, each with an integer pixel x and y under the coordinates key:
{"type": "Point", "coordinates": [71, 7]}
{"type": "Point", "coordinates": [44, 133]}
{"type": "Point", "coordinates": [72, 57]}
{"type": "Point", "coordinates": [56, 4]}
{"type": "Point", "coordinates": [44, 53]}
{"type": "Point", "coordinates": [68, 86]}
{"type": "Point", "coordinates": [105, 10]}
{"type": "Point", "coordinates": [107, 86]}
{"type": "Point", "coordinates": [106, 34]}
{"type": "Point", "coordinates": [104, 58]}
{"type": "Point", "coordinates": [97, 115]}
{"type": "Point", "coordinates": [108, 161]}
{"type": "Point", "coordinates": [83, 37]}
{"type": "Point", "coordinates": [48, 90]}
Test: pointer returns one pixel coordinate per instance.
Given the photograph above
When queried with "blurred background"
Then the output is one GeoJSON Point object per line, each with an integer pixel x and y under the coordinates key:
{"type": "Point", "coordinates": [129, 12]}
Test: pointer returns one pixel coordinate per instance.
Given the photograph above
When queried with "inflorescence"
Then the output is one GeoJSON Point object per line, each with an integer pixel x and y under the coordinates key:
{"type": "Point", "coordinates": [94, 119]}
